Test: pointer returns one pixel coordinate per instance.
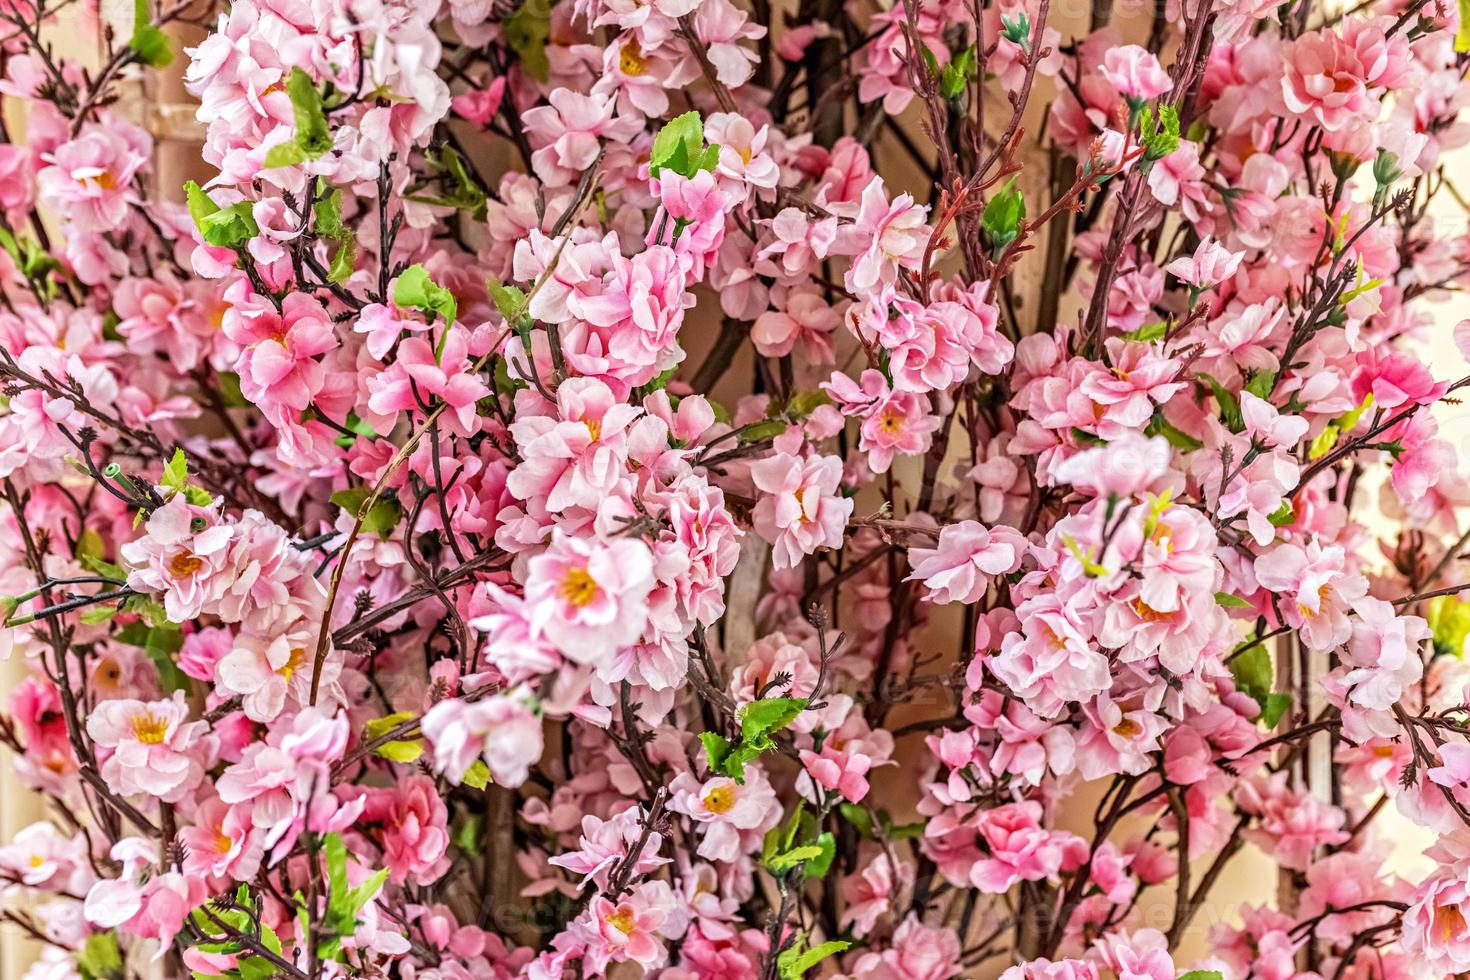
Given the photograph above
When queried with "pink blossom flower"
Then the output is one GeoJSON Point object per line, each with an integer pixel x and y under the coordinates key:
{"type": "Point", "coordinates": [1434, 927]}
{"type": "Point", "coordinates": [1017, 847]}
{"type": "Point", "coordinates": [630, 929]}
{"type": "Point", "coordinates": [1135, 72]}
{"type": "Point", "coordinates": [968, 557]}
{"type": "Point", "coordinates": [918, 952]}
{"type": "Point", "coordinates": [728, 813]}
{"type": "Point", "coordinates": [502, 729]}
{"type": "Point", "coordinates": [182, 555]}
{"type": "Point", "coordinates": [278, 367]}
{"type": "Point", "coordinates": [1395, 380]}
{"type": "Point", "coordinates": [576, 457]}
{"type": "Point", "coordinates": [589, 597]}
{"type": "Point", "coordinates": [605, 844]}
{"type": "Point", "coordinates": [885, 237]}
{"type": "Point", "coordinates": [419, 373]}
{"type": "Point", "coordinates": [90, 178]}
{"type": "Point", "coordinates": [893, 422]}
{"type": "Point", "coordinates": [1210, 265]}
{"type": "Point", "coordinates": [799, 510]}
{"type": "Point", "coordinates": [1316, 588]}
{"type": "Point", "coordinates": [415, 831]}
{"type": "Point", "coordinates": [155, 750]}
{"type": "Point", "coordinates": [806, 322]}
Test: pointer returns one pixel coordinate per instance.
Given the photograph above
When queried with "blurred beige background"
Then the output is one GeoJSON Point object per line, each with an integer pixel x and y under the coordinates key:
{"type": "Point", "coordinates": [160, 104]}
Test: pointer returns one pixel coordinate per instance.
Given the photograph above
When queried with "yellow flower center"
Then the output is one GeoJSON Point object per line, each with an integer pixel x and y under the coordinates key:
{"type": "Point", "coordinates": [1449, 920]}
{"type": "Point", "coordinates": [594, 428]}
{"type": "Point", "coordinates": [630, 60]}
{"type": "Point", "coordinates": [102, 182]}
{"type": "Point", "coordinates": [1148, 613]}
{"type": "Point", "coordinates": [720, 799]}
{"type": "Point", "coordinates": [37, 860]}
{"type": "Point", "coordinates": [578, 588]}
{"type": "Point", "coordinates": [622, 920]}
{"type": "Point", "coordinates": [890, 423]}
{"type": "Point", "coordinates": [1127, 728]}
{"type": "Point", "coordinates": [293, 663]}
{"type": "Point", "coordinates": [149, 729]}
{"type": "Point", "coordinates": [184, 564]}
{"type": "Point", "coordinates": [223, 843]}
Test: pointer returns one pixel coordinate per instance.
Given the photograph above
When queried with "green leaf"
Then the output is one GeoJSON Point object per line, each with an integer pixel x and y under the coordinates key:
{"type": "Point", "coordinates": [477, 776]}
{"type": "Point", "coordinates": [858, 817]}
{"type": "Point", "coordinates": [1283, 515]}
{"type": "Point", "coordinates": [148, 42]}
{"type": "Point", "coordinates": [790, 859]}
{"type": "Point", "coordinates": [526, 32]}
{"type": "Point", "coordinates": [100, 958]}
{"type": "Point", "coordinates": [467, 834]}
{"type": "Point", "coordinates": [804, 403]}
{"type": "Point", "coordinates": [1231, 601]}
{"type": "Point", "coordinates": [95, 615]}
{"type": "Point", "coordinates": [229, 227]}
{"type": "Point", "coordinates": [381, 518]}
{"type": "Point", "coordinates": [1003, 216]}
{"type": "Point", "coordinates": [677, 145]}
{"type": "Point", "coordinates": [405, 751]}
{"type": "Point", "coordinates": [1162, 138]}
{"type": "Point", "coordinates": [175, 472]}
{"type": "Point", "coordinates": [1273, 708]}
{"type": "Point", "coordinates": [313, 135]}
{"type": "Point", "coordinates": [415, 290]}
{"type": "Point", "coordinates": [509, 300]}
{"type": "Point", "coordinates": [284, 155]}
{"type": "Point", "coordinates": [1229, 405]}
{"type": "Point", "coordinates": [1261, 383]}
{"type": "Point", "coordinates": [818, 866]}
{"type": "Point", "coordinates": [759, 431]}
{"type": "Point", "coordinates": [759, 718]}
{"type": "Point", "coordinates": [716, 750]}
{"type": "Point", "coordinates": [1160, 426]}
{"type": "Point", "coordinates": [201, 205]}
{"type": "Point", "coordinates": [794, 962]}
{"type": "Point", "coordinates": [1148, 332]}
{"type": "Point", "coordinates": [1201, 975]}
{"type": "Point", "coordinates": [1254, 673]}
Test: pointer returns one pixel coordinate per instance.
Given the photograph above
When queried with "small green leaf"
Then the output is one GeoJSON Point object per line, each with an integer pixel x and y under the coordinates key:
{"type": "Point", "coordinates": [1274, 707]}
{"type": "Point", "coordinates": [789, 859]}
{"type": "Point", "coordinates": [1231, 601]}
{"type": "Point", "coordinates": [760, 718]}
{"type": "Point", "coordinates": [793, 962]}
{"type": "Point", "coordinates": [313, 135]}
{"type": "Point", "coordinates": [858, 817]}
{"type": "Point", "coordinates": [526, 32]}
{"type": "Point", "coordinates": [1253, 672]}
{"type": "Point", "coordinates": [148, 42]}
{"type": "Point", "coordinates": [1229, 405]}
{"type": "Point", "coordinates": [716, 750]}
{"type": "Point", "coordinates": [406, 751]}
{"type": "Point", "coordinates": [229, 227]}
{"type": "Point", "coordinates": [284, 155]}
{"type": "Point", "coordinates": [381, 518]}
{"type": "Point", "coordinates": [477, 776]}
{"type": "Point", "coordinates": [677, 145]}
{"type": "Point", "coordinates": [509, 300]}
{"type": "Point", "coordinates": [415, 290]}
{"type": "Point", "coordinates": [100, 958]}
{"type": "Point", "coordinates": [175, 472]}
{"type": "Point", "coordinates": [1003, 216]}
{"type": "Point", "coordinates": [818, 866]}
